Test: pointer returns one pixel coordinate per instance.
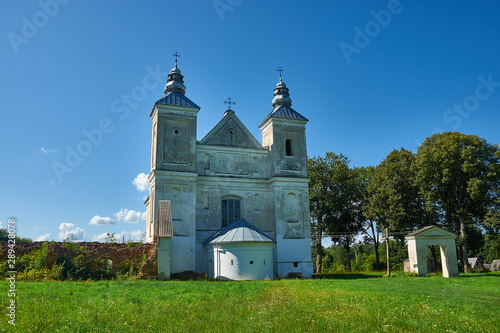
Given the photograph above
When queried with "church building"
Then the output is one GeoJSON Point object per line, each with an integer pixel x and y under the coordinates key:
{"type": "Point", "coordinates": [239, 209]}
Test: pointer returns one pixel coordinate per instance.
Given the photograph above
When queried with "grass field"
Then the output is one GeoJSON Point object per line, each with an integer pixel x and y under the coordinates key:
{"type": "Point", "coordinates": [347, 303]}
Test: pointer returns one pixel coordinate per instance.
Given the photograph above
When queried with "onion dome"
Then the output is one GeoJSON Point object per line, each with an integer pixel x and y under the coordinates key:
{"type": "Point", "coordinates": [175, 81]}
{"type": "Point", "coordinates": [281, 94]}
{"type": "Point", "coordinates": [282, 104]}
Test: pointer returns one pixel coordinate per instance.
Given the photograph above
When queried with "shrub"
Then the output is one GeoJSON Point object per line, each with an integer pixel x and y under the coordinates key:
{"type": "Point", "coordinates": [57, 272]}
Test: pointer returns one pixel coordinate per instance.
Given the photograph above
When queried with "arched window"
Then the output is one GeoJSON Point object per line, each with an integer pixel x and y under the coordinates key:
{"type": "Point", "coordinates": [288, 147]}
{"type": "Point", "coordinates": [231, 211]}
{"type": "Point", "coordinates": [291, 208]}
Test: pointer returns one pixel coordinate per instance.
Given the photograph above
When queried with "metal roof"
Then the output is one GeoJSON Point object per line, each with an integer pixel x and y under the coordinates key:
{"type": "Point", "coordinates": [237, 232]}
{"type": "Point", "coordinates": [285, 111]}
{"type": "Point", "coordinates": [178, 99]}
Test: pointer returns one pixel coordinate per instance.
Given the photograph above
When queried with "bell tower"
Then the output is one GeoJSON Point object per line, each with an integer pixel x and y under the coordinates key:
{"type": "Point", "coordinates": [174, 127]}
{"type": "Point", "coordinates": [173, 174]}
{"type": "Point", "coordinates": [284, 135]}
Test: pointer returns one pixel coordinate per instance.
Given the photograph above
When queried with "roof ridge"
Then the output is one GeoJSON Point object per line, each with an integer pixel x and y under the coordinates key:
{"type": "Point", "coordinates": [241, 223]}
{"type": "Point", "coordinates": [178, 99]}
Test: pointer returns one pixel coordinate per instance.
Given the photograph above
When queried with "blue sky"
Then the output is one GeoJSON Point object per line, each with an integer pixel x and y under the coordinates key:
{"type": "Point", "coordinates": [371, 76]}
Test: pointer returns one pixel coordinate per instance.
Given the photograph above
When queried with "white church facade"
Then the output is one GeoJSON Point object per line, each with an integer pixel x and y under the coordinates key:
{"type": "Point", "coordinates": [240, 209]}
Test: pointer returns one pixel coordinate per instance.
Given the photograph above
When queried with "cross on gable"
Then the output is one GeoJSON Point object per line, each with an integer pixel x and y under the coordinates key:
{"type": "Point", "coordinates": [229, 102]}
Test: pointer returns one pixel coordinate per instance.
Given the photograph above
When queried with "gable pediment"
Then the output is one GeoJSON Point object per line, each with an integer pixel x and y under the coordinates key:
{"type": "Point", "coordinates": [431, 232]}
{"type": "Point", "coordinates": [230, 131]}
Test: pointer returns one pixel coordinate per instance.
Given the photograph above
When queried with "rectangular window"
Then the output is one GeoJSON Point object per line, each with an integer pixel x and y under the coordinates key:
{"type": "Point", "coordinates": [237, 213]}
{"type": "Point", "coordinates": [224, 213]}
{"type": "Point", "coordinates": [231, 211]}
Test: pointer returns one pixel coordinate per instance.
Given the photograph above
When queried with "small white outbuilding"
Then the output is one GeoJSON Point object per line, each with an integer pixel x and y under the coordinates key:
{"type": "Point", "coordinates": [240, 251]}
{"type": "Point", "coordinates": [419, 242]}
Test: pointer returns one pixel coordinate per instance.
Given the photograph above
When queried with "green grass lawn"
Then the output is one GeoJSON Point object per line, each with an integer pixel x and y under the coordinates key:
{"type": "Point", "coordinates": [469, 303]}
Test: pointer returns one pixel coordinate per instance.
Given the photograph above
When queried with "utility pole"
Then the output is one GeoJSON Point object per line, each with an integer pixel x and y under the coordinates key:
{"type": "Point", "coordinates": [387, 250]}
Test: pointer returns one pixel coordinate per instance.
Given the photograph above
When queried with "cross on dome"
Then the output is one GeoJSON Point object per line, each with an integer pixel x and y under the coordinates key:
{"type": "Point", "coordinates": [176, 55]}
{"type": "Point", "coordinates": [280, 70]}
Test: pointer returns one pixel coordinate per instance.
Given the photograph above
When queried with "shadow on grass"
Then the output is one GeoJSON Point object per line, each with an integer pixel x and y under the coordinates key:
{"type": "Point", "coordinates": [476, 275]}
{"type": "Point", "coordinates": [348, 276]}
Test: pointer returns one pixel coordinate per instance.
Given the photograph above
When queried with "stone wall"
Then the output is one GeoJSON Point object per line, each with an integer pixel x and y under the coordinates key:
{"type": "Point", "coordinates": [118, 253]}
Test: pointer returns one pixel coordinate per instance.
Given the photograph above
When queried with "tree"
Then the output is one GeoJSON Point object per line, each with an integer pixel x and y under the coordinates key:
{"type": "Point", "coordinates": [459, 176]}
{"type": "Point", "coordinates": [393, 197]}
{"type": "Point", "coordinates": [110, 238]}
{"type": "Point", "coordinates": [395, 201]}
{"type": "Point", "coordinates": [335, 197]}
{"type": "Point", "coordinates": [3, 235]}
{"type": "Point", "coordinates": [365, 178]}
{"type": "Point", "coordinates": [318, 193]}
{"type": "Point", "coordinates": [320, 177]}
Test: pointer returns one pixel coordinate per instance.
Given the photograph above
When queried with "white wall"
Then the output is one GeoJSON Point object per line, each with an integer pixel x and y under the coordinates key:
{"type": "Point", "coordinates": [291, 252]}
{"type": "Point", "coordinates": [241, 261]}
{"type": "Point", "coordinates": [182, 254]}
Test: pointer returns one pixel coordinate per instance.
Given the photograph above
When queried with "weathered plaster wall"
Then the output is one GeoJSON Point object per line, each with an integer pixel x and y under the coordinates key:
{"type": "Point", "coordinates": [164, 246]}
{"type": "Point", "coordinates": [174, 138]}
{"type": "Point", "coordinates": [180, 189]}
{"type": "Point", "coordinates": [232, 161]}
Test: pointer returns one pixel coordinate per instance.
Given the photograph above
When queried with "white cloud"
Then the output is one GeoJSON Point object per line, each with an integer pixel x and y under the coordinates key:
{"type": "Point", "coordinates": [141, 182]}
{"type": "Point", "coordinates": [99, 220]}
{"type": "Point", "coordinates": [133, 235]}
{"type": "Point", "coordinates": [327, 242]}
{"type": "Point", "coordinates": [136, 235]}
{"type": "Point", "coordinates": [48, 151]}
{"type": "Point", "coordinates": [360, 238]}
{"type": "Point", "coordinates": [100, 238]}
{"type": "Point", "coordinates": [69, 229]}
{"type": "Point", "coordinates": [130, 216]}
{"type": "Point", "coordinates": [1, 224]}
{"type": "Point", "coordinates": [44, 238]}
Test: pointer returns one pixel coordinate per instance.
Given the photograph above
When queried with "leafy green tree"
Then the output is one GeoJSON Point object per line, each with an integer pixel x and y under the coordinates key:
{"type": "Point", "coordinates": [3, 235]}
{"type": "Point", "coordinates": [459, 177]}
{"type": "Point", "coordinates": [334, 196]}
{"type": "Point", "coordinates": [320, 183]}
{"type": "Point", "coordinates": [395, 201]}
{"type": "Point", "coordinates": [393, 197]}
{"type": "Point", "coordinates": [491, 248]}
